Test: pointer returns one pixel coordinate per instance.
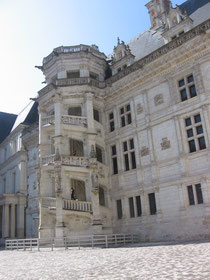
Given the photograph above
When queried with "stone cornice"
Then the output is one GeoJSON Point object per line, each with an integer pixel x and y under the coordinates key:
{"type": "Point", "coordinates": [200, 29]}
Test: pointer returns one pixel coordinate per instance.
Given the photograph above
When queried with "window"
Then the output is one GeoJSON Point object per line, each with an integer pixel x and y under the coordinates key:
{"type": "Point", "coordinates": [187, 88]}
{"type": "Point", "coordinates": [94, 76]}
{"type": "Point", "coordinates": [195, 194]}
{"type": "Point", "coordinates": [101, 196]}
{"type": "Point", "coordinates": [125, 115]}
{"type": "Point", "coordinates": [14, 181]}
{"type": "Point", "coordinates": [131, 206]}
{"type": "Point", "coordinates": [74, 111]}
{"type": "Point", "coordinates": [73, 74]}
{"type": "Point", "coordinates": [119, 209]}
{"type": "Point", "coordinates": [96, 115]}
{"type": "Point", "coordinates": [114, 160]}
{"type": "Point", "coordinates": [138, 206]}
{"type": "Point", "coordinates": [111, 122]}
{"type": "Point", "coordinates": [129, 155]}
{"type": "Point", "coordinates": [15, 146]}
{"type": "Point", "coordinates": [99, 154]}
{"type": "Point", "coordinates": [152, 203]}
{"type": "Point", "coordinates": [194, 133]}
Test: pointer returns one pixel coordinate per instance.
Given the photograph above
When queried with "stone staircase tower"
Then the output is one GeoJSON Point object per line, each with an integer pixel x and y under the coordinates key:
{"type": "Point", "coordinates": [73, 185]}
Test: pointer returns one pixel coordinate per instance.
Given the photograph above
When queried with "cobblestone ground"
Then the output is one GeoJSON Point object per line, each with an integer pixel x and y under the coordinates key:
{"type": "Point", "coordinates": [180, 262]}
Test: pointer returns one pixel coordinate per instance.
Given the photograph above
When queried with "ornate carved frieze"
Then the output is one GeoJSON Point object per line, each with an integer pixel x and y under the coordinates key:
{"type": "Point", "coordinates": [158, 99]}
{"type": "Point", "coordinates": [144, 151]}
{"type": "Point", "coordinates": [200, 29]}
{"type": "Point", "coordinates": [73, 120]}
{"type": "Point", "coordinates": [166, 144]}
{"type": "Point", "coordinates": [139, 109]}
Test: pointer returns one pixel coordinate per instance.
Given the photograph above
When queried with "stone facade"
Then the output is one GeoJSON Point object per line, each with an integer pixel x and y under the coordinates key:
{"type": "Point", "coordinates": [127, 152]}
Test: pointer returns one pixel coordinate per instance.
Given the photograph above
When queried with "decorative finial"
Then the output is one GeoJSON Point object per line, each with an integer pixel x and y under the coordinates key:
{"type": "Point", "coordinates": [118, 40]}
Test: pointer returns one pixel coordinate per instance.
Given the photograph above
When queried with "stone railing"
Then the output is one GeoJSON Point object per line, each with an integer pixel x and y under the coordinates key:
{"type": "Point", "coordinates": [74, 49]}
{"type": "Point", "coordinates": [75, 161]}
{"type": "Point", "coordinates": [48, 202]}
{"type": "Point", "coordinates": [67, 160]}
{"type": "Point", "coordinates": [48, 120]}
{"type": "Point", "coordinates": [74, 120]}
{"type": "Point", "coordinates": [48, 160]}
{"type": "Point", "coordinates": [79, 81]}
{"type": "Point", "coordinates": [76, 205]}
{"type": "Point", "coordinates": [46, 89]}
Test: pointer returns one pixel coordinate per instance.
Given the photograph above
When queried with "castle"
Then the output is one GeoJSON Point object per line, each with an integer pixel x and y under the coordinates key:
{"type": "Point", "coordinates": [118, 143]}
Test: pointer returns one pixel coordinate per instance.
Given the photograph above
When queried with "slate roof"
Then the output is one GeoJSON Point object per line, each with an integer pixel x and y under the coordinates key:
{"type": "Point", "coordinates": [28, 115]}
{"type": "Point", "coordinates": [150, 40]}
{"type": "Point", "coordinates": [192, 5]}
{"type": "Point", "coordinates": [6, 123]}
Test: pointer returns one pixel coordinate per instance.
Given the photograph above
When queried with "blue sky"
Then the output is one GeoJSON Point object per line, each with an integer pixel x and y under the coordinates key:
{"type": "Point", "coordinates": [30, 29]}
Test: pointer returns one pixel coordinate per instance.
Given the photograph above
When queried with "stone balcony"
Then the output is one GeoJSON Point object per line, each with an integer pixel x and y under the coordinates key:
{"type": "Point", "coordinates": [79, 81]}
{"type": "Point", "coordinates": [72, 82]}
{"type": "Point", "coordinates": [65, 119]}
{"type": "Point", "coordinates": [73, 205]}
{"type": "Point", "coordinates": [67, 160]}
{"type": "Point", "coordinates": [74, 120]}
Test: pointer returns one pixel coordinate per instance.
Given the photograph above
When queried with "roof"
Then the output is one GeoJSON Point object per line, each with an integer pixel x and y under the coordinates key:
{"type": "Point", "coordinates": [6, 123]}
{"type": "Point", "coordinates": [28, 115]}
{"type": "Point", "coordinates": [190, 6]}
{"type": "Point", "coordinates": [150, 40]}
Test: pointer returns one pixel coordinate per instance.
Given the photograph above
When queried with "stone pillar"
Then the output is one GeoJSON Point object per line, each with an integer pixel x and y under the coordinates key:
{"type": "Point", "coordinates": [20, 220]}
{"type": "Point", "coordinates": [58, 113]}
{"type": "Point", "coordinates": [23, 176]}
{"type": "Point", "coordinates": [89, 111]}
{"type": "Point", "coordinates": [59, 230]}
{"type": "Point", "coordinates": [13, 221]}
{"type": "Point", "coordinates": [5, 228]}
{"type": "Point", "coordinates": [97, 223]}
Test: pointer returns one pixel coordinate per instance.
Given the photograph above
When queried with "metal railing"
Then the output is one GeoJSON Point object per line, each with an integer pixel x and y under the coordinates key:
{"type": "Point", "coordinates": [86, 241]}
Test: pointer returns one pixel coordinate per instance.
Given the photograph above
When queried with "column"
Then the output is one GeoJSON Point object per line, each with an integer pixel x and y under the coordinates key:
{"type": "Point", "coordinates": [23, 176]}
{"type": "Point", "coordinates": [21, 220]}
{"type": "Point", "coordinates": [97, 223]}
{"type": "Point", "coordinates": [89, 111]}
{"type": "Point", "coordinates": [6, 221]}
{"type": "Point", "coordinates": [57, 114]}
{"type": "Point", "coordinates": [13, 221]}
{"type": "Point", "coordinates": [59, 227]}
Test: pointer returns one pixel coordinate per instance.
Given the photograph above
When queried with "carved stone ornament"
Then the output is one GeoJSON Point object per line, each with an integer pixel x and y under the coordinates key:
{"type": "Point", "coordinates": [158, 99]}
{"type": "Point", "coordinates": [166, 144]}
{"type": "Point", "coordinates": [57, 155]}
{"type": "Point", "coordinates": [95, 184]}
{"type": "Point", "coordinates": [93, 152]}
{"type": "Point", "coordinates": [144, 151]}
{"type": "Point", "coordinates": [139, 109]}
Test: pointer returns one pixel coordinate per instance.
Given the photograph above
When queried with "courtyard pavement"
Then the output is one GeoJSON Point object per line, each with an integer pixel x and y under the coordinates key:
{"type": "Point", "coordinates": [145, 262]}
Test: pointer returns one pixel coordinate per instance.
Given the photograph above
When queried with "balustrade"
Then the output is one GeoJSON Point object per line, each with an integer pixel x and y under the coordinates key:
{"type": "Point", "coordinates": [75, 205]}
{"type": "Point", "coordinates": [48, 160]}
{"type": "Point", "coordinates": [48, 120]}
{"type": "Point", "coordinates": [75, 161]}
{"type": "Point", "coordinates": [74, 120]}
